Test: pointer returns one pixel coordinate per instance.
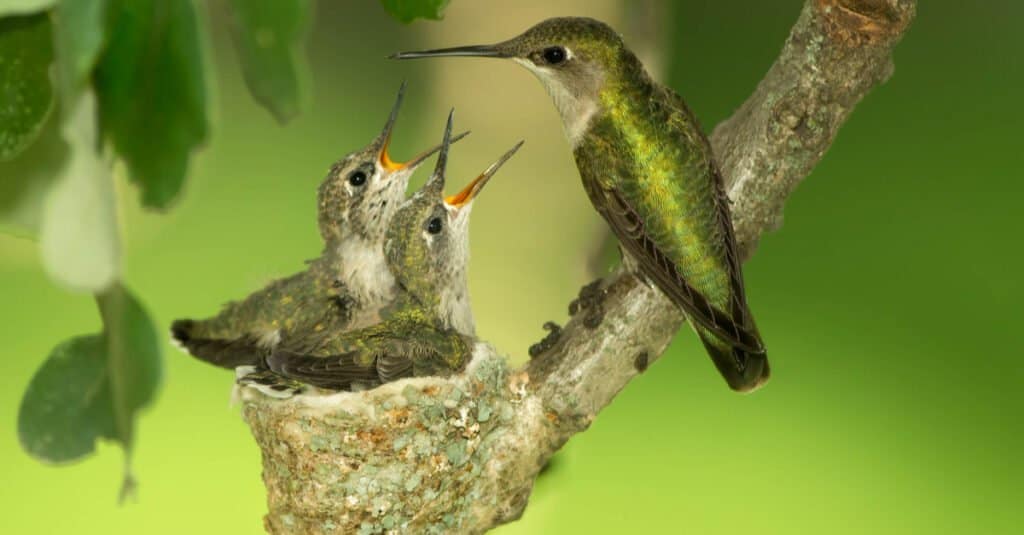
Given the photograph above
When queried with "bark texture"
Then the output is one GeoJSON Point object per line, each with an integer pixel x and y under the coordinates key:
{"type": "Point", "coordinates": [438, 455]}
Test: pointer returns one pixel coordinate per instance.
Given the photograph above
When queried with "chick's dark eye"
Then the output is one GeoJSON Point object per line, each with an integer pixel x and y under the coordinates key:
{"type": "Point", "coordinates": [554, 55]}
{"type": "Point", "coordinates": [357, 178]}
{"type": "Point", "coordinates": [434, 225]}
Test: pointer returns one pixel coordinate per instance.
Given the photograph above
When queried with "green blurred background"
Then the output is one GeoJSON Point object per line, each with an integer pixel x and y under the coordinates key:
{"type": "Point", "coordinates": [890, 298]}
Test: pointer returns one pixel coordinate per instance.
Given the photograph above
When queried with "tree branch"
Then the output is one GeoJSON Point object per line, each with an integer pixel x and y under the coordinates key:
{"type": "Point", "coordinates": [436, 455]}
{"type": "Point", "coordinates": [837, 52]}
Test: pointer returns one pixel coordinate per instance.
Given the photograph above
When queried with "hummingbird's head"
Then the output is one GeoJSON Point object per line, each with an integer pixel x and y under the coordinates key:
{"type": "Point", "coordinates": [572, 57]}
{"type": "Point", "coordinates": [428, 240]}
{"type": "Point", "coordinates": [363, 190]}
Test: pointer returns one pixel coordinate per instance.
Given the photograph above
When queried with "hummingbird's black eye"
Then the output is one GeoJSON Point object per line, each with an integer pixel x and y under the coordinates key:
{"type": "Point", "coordinates": [434, 225]}
{"type": "Point", "coordinates": [357, 178]}
{"type": "Point", "coordinates": [554, 55]}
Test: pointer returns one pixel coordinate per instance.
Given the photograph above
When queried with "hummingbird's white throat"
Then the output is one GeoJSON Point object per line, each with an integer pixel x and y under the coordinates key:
{"type": "Point", "coordinates": [365, 271]}
{"type": "Point", "coordinates": [363, 263]}
{"type": "Point", "coordinates": [576, 105]}
{"type": "Point", "coordinates": [455, 307]}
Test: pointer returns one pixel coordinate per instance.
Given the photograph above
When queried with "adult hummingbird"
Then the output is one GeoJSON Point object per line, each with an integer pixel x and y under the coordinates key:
{"type": "Point", "coordinates": [429, 328]}
{"type": "Point", "coordinates": [649, 171]}
{"type": "Point", "coordinates": [343, 288]}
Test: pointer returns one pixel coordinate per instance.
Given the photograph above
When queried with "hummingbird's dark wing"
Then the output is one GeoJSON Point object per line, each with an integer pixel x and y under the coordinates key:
{"type": "Point", "coordinates": [680, 114]}
{"type": "Point", "coordinates": [378, 355]}
{"type": "Point", "coordinates": [430, 351]}
{"type": "Point", "coordinates": [373, 354]}
{"type": "Point", "coordinates": [628, 226]}
{"type": "Point", "coordinates": [338, 372]}
{"type": "Point", "coordinates": [334, 372]}
{"type": "Point", "coordinates": [735, 349]}
{"type": "Point", "coordinates": [394, 365]}
{"type": "Point", "coordinates": [753, 369]}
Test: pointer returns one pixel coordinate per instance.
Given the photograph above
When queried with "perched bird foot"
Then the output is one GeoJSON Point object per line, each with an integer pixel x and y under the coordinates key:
{"type": "Point", "coordinates": [591, 303]}
{"type": "Point", "coordinates": [549, 340]}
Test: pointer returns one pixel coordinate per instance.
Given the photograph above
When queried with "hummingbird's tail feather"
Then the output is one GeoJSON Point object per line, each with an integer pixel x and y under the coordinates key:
{"type": "Point", "coordinates": [743, 370]}
{"type": "Point", "coordinates": [224, 352]}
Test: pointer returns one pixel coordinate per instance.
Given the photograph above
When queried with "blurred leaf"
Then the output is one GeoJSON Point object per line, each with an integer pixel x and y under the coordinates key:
{"type": "Point", "coordinates": [67, 404]}
{"type": "Point", "coordinates": [24, 7]}
{"type": "Point", "coordinates": [91, 387]}
{"type": "Point", "coordinates": [266, 35]}
{"type": "Point", "coordinates": [78, 35]}
{"type": "Point", "coordinates": [152, 95]}
{"type": "Point", "coordinates": [28, 178]}
{"type": "Point", "coordinates": [133, 365]}
{"type": "Point", "coordinates": [78, 233]}
{"type": "Point", "coordinates": [25, 89]}
{"type": "Point", "coordinates": [134, 346]}
{"type": "Point", "coordinates": [409, 10]}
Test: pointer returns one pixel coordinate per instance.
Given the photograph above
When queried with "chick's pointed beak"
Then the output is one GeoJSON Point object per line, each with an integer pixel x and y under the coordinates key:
{"type": "Point", "coordinates": [434, 187]}
{"type": "Point", "coordinates": [384, 140]}
{"type": "Point", "coordinates": [468, 193]}
{"type": "Point", "coordinates": [476, 51]}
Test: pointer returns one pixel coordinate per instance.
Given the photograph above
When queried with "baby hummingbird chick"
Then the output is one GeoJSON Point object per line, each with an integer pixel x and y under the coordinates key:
{"type": "Point", "coordinates": [429, 328]}
{"type": "Point", "coordinates": [343, 288]}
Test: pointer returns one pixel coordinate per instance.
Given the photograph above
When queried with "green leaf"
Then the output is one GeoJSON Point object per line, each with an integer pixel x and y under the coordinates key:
{"type": "Point", "coordinates": [29, 176]}
{"type": "Point", "coordinates": [266, 36]}
{"type": "Point", "coordinates": [67, 404]}
{"type": "Point", "coordinates": [133, 356]}
{"type": "Point", "coordinates": [27, 180]}
{"type": "Point", "coordinates": [26, 93]}
{"type": "Point", "coordinates": [133, 366]}
{"type": "Point", "coordinates": [152, 94]}
{"type": "Point", "coordinates": [78, 36]}
{"type": "Point", "coordinates": [24, 7]}
{"type": "Point", "coordinates": [91, 387]}
{"type": "Point", "coordinates": [78, 236]}
{"type": "Point", "coordinates": [407, 11]}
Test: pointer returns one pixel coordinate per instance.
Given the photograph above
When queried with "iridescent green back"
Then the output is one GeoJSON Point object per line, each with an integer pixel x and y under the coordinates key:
{"type": "Point", "coordinates": [649, 147]}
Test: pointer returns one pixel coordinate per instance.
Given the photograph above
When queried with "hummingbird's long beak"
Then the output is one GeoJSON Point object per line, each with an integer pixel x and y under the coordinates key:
{"type": "Point", "coordinates": [384, 139]}
{"type": "Point", "coordinates": [473, 189]}
{"type": "Point", "coordinates": [477, 51]}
